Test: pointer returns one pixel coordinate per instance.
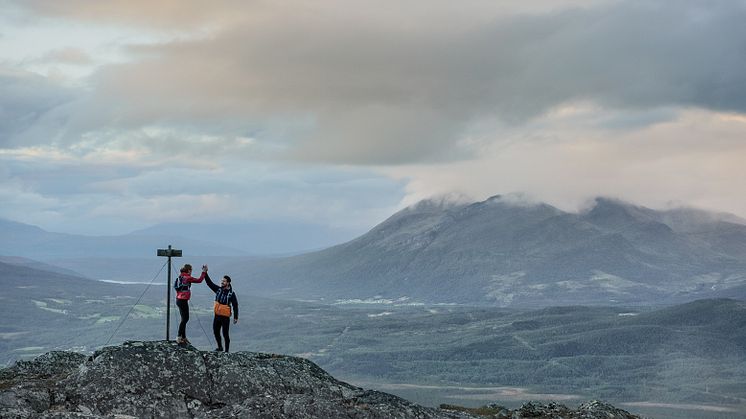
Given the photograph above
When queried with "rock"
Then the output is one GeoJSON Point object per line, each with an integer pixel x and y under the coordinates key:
{"type": "Point", "coordinates": [597, 409]}
{"type": "Point", "coordinates": [45, 366]}
{"type": "Point", "coordinates": [162, 379]}
{"type": "Point", "coordinates": [590, 410]}
{"type": "Point", "coordinates": [26, 387]}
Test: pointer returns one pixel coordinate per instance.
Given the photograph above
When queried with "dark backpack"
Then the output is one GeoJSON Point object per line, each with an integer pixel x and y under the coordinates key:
{"type": "Point", "coordinates": [180, 285]}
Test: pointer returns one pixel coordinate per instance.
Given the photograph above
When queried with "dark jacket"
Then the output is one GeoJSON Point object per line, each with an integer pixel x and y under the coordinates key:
{"type": "Point", "coordinates": [224, 295]}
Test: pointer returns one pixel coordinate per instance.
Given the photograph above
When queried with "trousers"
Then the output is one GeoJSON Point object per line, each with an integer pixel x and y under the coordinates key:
{"type": "Point", "coordinates": [222, 323]}
{"type": "Point", "coordinates": [184, 312]}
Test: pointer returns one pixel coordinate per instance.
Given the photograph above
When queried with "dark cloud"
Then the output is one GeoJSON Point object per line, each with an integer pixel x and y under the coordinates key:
{"type": "Point", "coordinates": [389, 88]}
{"type": "Point", "coordinates": [384, 92]}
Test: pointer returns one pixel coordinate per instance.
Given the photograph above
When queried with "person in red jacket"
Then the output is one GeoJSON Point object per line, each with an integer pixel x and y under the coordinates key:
{"type": "Point", "coordinates": [183, 285]}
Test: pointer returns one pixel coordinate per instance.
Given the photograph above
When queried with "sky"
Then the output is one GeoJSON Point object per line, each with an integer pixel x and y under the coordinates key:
{"type": "Point", "coordinates": [118, 115]}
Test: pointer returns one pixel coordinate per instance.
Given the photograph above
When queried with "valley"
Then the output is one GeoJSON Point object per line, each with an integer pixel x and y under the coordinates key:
{"type": "Point", "coordinates": [431, 354]}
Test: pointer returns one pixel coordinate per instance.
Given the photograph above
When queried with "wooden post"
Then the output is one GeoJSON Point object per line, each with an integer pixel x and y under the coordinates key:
{"type": "Point", "coordinates": [169, 253]}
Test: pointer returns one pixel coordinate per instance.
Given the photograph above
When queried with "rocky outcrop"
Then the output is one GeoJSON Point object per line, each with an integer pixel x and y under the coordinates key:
{"type": "Point", "coordinates": [161, 379]}
{"type": "Point", "coordinates": [593, 409]}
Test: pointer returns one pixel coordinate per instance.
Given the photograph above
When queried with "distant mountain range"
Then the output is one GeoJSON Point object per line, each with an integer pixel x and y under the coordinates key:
{"type": "Point", "coordinates": [509, 254]}
{"type": "Point", "coordinates": [227, 240]}
{"type": "Point", "coordinates": [259, 238]}
{"type": "Point", "coordinates": [495, 252]}
{"type": "Point", "coordinates": [32, 242]}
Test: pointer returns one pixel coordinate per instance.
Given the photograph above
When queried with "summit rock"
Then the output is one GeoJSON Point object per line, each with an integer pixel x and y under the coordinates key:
{"type": "Point", "coordinates": [161, 379]}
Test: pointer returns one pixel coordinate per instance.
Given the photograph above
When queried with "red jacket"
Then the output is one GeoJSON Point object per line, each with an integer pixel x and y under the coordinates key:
{"type": "Point", "coordinates": [188, 279]}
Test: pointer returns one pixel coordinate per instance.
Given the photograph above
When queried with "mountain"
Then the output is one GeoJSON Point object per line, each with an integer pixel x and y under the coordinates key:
{"type": "Point", "coordinates": [45, 278]}
{"type": "Point", "coordinates": [160, 379]}
{"type": "Point", "coordinates": [44, 308]}
{"type": "Point", "coordinates": [18, 239]}
{"type": "Point", "coordinates": [512, 254]}
{"type": "Point", "coordinates": [35, 264]}
{"type": "Point", "coordinates": [259, 238]}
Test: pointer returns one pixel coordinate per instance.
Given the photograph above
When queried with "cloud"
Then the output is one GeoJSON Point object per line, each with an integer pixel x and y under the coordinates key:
{"type": "Point", "coordinates": [694, 159]}
{"type": "Point", "coordinates": [32, 108]}
{"type": "Point", "coordinates": [178, 14]}
{"type": "Point", "coordinates": [164, 13]}
{"type": "Point", "coordinates": [94, 194]}
{"type": "Point", "coordinates": [377, 87]}
{"type": "Point", "coordinates": [269, 107]}
{"type": "Point", "coordinates": [391, 89]}
{"type": "Point", "coordinates": [69, 56]}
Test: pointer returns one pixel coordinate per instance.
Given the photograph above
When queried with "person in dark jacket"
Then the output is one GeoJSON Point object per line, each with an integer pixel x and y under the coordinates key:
{"type": "Point", "coordinates": [224, 299]}
{"type": "Point", "coordinates": [183, 285]}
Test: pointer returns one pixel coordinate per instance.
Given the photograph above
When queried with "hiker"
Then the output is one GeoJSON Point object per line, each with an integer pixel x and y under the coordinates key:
{"type": "Point", "coordinates": [183, 285]}
{"type": "Point", "coordinates": [224, 299]}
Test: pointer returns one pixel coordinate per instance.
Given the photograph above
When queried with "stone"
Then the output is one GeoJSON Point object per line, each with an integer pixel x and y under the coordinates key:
{"type": "Point", "coordinates": [162, 379]}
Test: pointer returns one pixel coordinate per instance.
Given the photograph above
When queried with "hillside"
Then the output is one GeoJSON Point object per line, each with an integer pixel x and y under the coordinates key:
{"type": "Point", "coordinates": [34, 264]}
{"type": "Point", "coordinates": [18, 239]}
{"type": "Point", "coordinates": [508, 254]}
{"type": "Point", "coordinates": [160, 379]}
{"type": "Point", "coordinates": [43, 309]}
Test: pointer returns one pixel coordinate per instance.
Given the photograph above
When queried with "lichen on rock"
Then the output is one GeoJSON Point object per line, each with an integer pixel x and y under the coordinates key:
{"type": "Point", "coordinates": [164, 380]}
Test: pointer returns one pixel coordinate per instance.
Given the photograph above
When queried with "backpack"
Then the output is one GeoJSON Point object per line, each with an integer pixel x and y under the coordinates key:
{"type": "Point", "coordinates": [180, 285]}
{"type": "Point", "coordinates": [221, 309]}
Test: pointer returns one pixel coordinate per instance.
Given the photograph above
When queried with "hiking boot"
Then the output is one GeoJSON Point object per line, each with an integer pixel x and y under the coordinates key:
{"type": "Point", "coordinates": [218, 349]}
{"type": "Point", "coordinates": [180, 340]}
{"type": "Point", "coordinates": [186, 341]}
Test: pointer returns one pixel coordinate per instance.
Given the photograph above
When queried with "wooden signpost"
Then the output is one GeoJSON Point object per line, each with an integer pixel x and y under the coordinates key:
{"type": "Point", "coordinates": [169, 253]}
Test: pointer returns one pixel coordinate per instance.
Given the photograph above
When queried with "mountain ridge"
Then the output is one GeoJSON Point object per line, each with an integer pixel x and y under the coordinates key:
{"type": "Point", "coordinates": [505, 252]}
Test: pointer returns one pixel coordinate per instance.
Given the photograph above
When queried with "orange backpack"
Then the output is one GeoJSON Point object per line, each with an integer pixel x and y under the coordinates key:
{"type": "Point", "coordinates": [222, 309]}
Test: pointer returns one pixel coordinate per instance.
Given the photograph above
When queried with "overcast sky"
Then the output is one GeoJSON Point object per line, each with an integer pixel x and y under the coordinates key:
{"type": "Point", "coordinates": [117, 115]}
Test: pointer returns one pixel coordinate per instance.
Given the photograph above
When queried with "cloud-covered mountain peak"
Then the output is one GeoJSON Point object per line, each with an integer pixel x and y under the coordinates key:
{"type": "Point", "coordinates": [512, 252]}
{"type": "Point", "coordinates": [682, 219]}
{"type": "Point", "coordinates": [617, 213]}
{"type": "Point", "coordinates": [436, 212]}
{"type": "Point", "coordinates": [441, 202]}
